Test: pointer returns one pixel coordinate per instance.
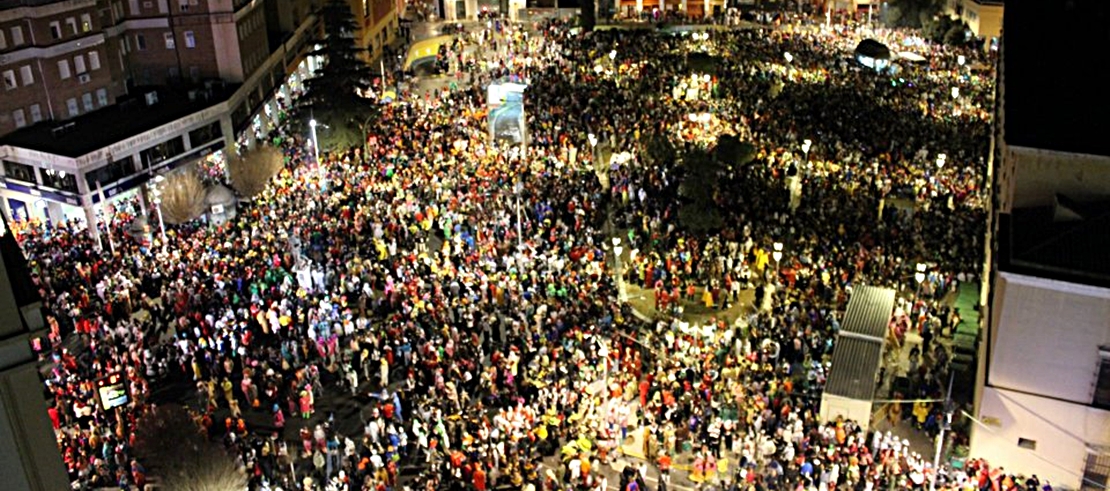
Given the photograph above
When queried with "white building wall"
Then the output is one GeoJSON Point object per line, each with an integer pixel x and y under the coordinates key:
{"type": "Point", "coordinates": [1040, 174]}
{"type": "Point", "coordinates": [857, 410]}
{"type": "Point", "coordinates": [1062, 432]}
{"type": "Point", "coordinates": [1046, 337]}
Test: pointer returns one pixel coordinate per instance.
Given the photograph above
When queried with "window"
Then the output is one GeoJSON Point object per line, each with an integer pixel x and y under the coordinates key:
{"type": "Point", "coordinates": [71, 105]}
{"type": "Point", "coordinates": [170, 44]}
{"type": "Point", "coordinates": [86, 22]}
{"type": "Point", "coordinates": [205, 134]}
{"type": "Point", "coordinates": [26, 75]}
{"type": "Point", "coordinates": [1102, 385]}
{"type": "Point", "coordinates": [17, 36]}
{"type": "Point", "coordinates": [140, 42]}
{"type": "Point", "coordinates": [19, 118]}
{"type": "Point", "coordinates": [16, 170]}
{"type": "Point", "coordinates": [59, 180]}
{"type": "Point", "coordinates": [79, 64]}
{"type": "Point", "coordinates": [86, 100]}
{"type": "Point", "coordinates": [184, 5]}
{"type": "Point", "coordinates": [1096, 473]}
{"type": "Point", "coordinates": [190, 40]}
{"type": "Point", "coordinates": [194, 73]}
{"type": "Point", "coordinates": [1027, 443]}
{"type": "Point", "coordinates": [126, 48]}
{"type": "Point", "coordinates": [3, 41]}
{"type": "Point", "coordinates": [114, 171]}
{"type": "Point", "coordinates": [173, 73]}
{"type": "Point", "coordinates": [162, 151]}
{"type": "Point", "coordinates": [94, 60]}
{"type": "Point", "coordinates": [55, 30]}
{"type": "Point", "coordinates": [9, 80]}
{"type": "Point", "coordinates": [71, 23]}
{"type": "Point", "coordinates": [36, 113]}
{"type": "Point", "coordinates": [63, 69]}
{"type": "Point", "coordinates": [102, 97]}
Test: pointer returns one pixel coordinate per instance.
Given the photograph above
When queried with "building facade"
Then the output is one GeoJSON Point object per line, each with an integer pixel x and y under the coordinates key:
{"type": "Point", "coordinates": [379, 23]}
{"type": "Point", "coordinates": [72, 163]}
{"type": "Point", "coordinates": [29, 458]}
{"type": "Point", "coordinates": [54, 61]}
{"type": "Point", "coordinates": [1042, 404]}
{"type": "Point", "coordinates": [983, 17]}
{"type": "Point", "coordinates": [693, 9]}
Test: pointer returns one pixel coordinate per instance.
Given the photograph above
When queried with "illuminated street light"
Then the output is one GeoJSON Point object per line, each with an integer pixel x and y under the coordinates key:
{"type": "Point", "coordinates": [941, 160]}
{"type": "Point", "coordinates": [777, 255]}
{"type": "Point", "coordinates": [156, 199]}
{"type": "Point", "coordinates": [920, 274]}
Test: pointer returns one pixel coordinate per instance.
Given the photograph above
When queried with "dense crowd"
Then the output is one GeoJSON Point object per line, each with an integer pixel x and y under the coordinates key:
{"type": "Point", "coordinates": [463, 292]}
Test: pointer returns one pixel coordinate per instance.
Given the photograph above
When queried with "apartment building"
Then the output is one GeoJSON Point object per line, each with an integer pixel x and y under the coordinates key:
{"type": "Point", "coordinates": [53, 61]}
{"type": "Point", "coordinates": [133, 88]}
{"type": "Point", "coordinates": [1043, 398]}
{"type": "Point", "coordinates": [173, 41]}
{"type": "Point", "coordinates": [983, 17]}
{"type": "Point", "coordinates": [379, 22]}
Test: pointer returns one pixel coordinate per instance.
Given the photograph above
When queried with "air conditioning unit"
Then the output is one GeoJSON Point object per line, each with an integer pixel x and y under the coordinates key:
{"type": "Point", "coordinates": [84, 78]}
{"type": "Point", "coordinates": [151, 98]}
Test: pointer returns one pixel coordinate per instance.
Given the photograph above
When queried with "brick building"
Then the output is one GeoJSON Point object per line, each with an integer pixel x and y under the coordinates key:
{"type": "Point", "coordinates": [53, 60]}
{"type": "Point", "coordinates": [101, 95]}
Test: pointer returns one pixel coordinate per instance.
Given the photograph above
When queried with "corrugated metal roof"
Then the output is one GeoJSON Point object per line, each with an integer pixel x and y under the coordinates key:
{"type": "Point", "coordinates": [869, 311]}
{"type": "Point", "coordinates": [855, 366]}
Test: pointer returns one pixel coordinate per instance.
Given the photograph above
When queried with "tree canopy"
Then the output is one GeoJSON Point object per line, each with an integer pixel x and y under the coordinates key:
{"type": "Point", "coordinates": [173, 446]}
{"type": "Point", "coordinates": [913, 13]}
{"type": "Point", "coordinates": [703, 171]}
{"type": "Point", "coordinates": [333, 96]}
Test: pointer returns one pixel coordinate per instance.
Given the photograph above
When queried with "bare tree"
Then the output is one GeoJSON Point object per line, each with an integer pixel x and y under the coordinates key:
{"type": "Point", "coordinates": [173, 447]}
{"type": "Point", "coordinates": [183, 196]}
{"type": "Point", "coordinates": [252, 172]}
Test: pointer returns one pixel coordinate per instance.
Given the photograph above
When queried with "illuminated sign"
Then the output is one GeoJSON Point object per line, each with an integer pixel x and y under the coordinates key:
{"type": "Point", "coordinates": [112, 391]}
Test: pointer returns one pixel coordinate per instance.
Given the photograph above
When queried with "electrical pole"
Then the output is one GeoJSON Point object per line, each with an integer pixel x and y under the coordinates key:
{"type": "Point", "coordinates": [944, 427]}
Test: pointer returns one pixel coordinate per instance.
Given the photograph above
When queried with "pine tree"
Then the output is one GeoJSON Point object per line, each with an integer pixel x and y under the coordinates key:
{"type": "Point", "coordinates": [332, 97]}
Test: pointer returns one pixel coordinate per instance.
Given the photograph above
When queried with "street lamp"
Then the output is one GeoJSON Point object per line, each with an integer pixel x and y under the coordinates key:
{"type": "Point", "coordinates": [806, 145]}
{"type": "Point", "coordinates": [789, 57]}
{"type": "Point", "coordinates": [316, 154]}
{"type": "Point", "coordinates": [777, 255]}
{"type": "Point", "coordinates": [156, 199]}
{"type": "Point", "coordinates": [516, 190]}
{"type": "Point", "coordinates": [941, 159]}
{"type": "Point", "coordinates": [617, 250]}
{"type": "Point", "coordinates": [315, 142]}
{"type": "Point", "coordinates": [920, 274]}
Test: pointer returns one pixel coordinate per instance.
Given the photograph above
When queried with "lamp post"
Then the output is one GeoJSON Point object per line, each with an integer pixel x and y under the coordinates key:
{"type": "Point", "coordinates": [156, 199]}
{"type": "Point", "coordinates": [806, 145]}
{"type": "Point", "coordinates": [517, 188]}
{"type": "Point", "coordinates": [316, 154]}
{"type": "Point", "coordinates": [941, 160]}
{"type": "Point", "coordinates": [617, 250]}
{"type": "Point", "coordinates": [949, 409]}
{"type": "Point", "coordinates": [777, 254]}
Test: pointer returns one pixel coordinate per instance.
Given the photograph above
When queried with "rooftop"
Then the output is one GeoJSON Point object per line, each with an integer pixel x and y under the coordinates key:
{"type": "Point", "coordinates": [1055, 81]}
{"type": "Point", "coordinates": [127, 118]}
{"type": "Point", "coordinates": [1067, 242]}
